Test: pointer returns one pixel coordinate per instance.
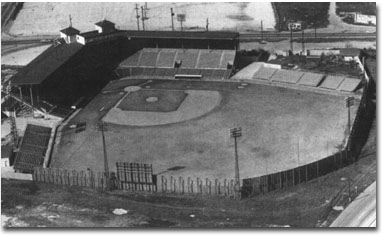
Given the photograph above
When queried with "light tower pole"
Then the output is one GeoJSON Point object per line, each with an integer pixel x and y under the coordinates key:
{"type": "Point", "coordinates": [236, 133]}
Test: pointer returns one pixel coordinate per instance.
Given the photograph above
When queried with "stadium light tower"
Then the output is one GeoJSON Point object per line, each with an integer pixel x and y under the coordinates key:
{"type": "Point", "coordinates": [236, 133]}
{"type": "Point", "coordinates": [181, 18]}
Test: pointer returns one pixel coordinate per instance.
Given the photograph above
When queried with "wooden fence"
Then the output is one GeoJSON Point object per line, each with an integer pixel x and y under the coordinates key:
{"type": "Point", "coordinates": [173, 185]}
{"type": "Point", "coordinates": [167, 185]}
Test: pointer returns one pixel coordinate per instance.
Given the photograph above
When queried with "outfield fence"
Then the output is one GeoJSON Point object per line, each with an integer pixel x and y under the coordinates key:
{"type": "Point", "coordinates": [166, 184]}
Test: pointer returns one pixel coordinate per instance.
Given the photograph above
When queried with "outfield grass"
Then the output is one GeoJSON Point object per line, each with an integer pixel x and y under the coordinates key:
{"type": "Point", "coordinates": [276, 123]}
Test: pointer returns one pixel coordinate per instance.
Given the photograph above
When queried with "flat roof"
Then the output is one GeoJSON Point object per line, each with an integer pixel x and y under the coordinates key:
{"type": "Point", "coordinates": [45, 64]}
{"type": "Point", "coordinates": [185, 35]}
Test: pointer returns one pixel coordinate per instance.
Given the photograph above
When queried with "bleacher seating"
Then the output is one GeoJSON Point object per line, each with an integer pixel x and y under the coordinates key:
{"type": "Point", "coordinates": [210, 59]}
{"type": "Point", "coordinates": [166, 58]}
{"type": "Point", "coordinates": [148, 59]}
{"type": "Point", "coordinates": [33, 148]}
{"type": "Point", "coordinates": [188, 57]}
{"type": "Point", "coordinates": [227, 58]}
{"type": "Point", "coordinates": [162, 62]}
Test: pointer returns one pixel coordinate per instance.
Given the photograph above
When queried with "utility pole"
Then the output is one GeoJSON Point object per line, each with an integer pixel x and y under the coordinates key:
{"type": "Point", "coordinates": [207, 24]}
{"type": "Point", "coordinates": [138, 18]}
{"type": "Point", "coordinates": [172, 16]}
{"type": "Point", "coordinates": [102, 127]}
{"type": "Point", "coordinates": [143, 18]}
{"type": "Point", "coordinates": [236, 133]}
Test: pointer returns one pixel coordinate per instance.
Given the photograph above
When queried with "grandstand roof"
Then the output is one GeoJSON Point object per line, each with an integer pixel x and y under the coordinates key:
{"type": "Point", "coordinates": [70, 31]}
{"type": "Point", "coordinates": [90, 34]}
{"type": "Point", "coordinates": [105, 23]}
{"type": "Point", "coordinates": [45, 64]}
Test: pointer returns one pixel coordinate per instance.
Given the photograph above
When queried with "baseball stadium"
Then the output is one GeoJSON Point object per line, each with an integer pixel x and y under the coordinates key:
{"type": "Point", "coordinates": [169, 99]}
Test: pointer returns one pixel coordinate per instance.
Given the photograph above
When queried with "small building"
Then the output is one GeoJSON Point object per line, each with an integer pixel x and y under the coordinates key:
{"type": "Point", "coordinates": [364, 19]}
{"type": "Point", "coordinates": [69, 34]}
{"type": "Point", "coordinates": [349, 54]}
{"type": "Point", "coordinates": [105, 26]}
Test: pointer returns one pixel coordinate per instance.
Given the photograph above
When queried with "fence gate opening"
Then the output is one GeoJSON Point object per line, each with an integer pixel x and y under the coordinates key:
{"type": "Point", "coordinates": [136, 176]}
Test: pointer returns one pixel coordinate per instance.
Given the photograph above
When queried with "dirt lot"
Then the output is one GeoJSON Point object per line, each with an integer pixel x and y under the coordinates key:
{"type": "Point", "coordinates": [274, 122]}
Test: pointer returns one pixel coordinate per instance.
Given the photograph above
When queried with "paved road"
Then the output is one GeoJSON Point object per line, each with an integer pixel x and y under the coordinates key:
{"type": "Point", "coordinates": [361, 212]}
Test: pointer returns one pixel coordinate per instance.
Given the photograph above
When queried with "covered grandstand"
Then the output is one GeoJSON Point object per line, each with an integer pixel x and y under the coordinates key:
{"type": "Point", "coordinates": [70, 70]}
{"type": "Point", "coordinates": [169, 62]}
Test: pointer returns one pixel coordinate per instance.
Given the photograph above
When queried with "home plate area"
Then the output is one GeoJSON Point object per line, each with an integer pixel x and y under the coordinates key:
{"type": "Point", "coordinates": [149, 107]}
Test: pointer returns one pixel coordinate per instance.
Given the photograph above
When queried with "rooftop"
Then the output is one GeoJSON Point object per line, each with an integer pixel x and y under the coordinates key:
{"type": "Point", "coordinates": [70, 31]}
{"type": "Point", "coordinates": [46, 64]}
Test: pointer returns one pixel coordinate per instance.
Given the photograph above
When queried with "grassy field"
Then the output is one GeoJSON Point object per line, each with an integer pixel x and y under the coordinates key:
{"type": "Point", "coordinates": [367, 8]}
{"type": "Point", "coordinates": [276, 122]}
{"type": "Point", "coordinates": [307, 12]}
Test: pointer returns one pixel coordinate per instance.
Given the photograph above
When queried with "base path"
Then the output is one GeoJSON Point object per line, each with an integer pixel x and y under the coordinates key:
{"type": "Point", "coordinates": [196, 104]}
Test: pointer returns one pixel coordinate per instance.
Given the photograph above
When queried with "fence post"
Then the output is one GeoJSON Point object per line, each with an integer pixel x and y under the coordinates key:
{"type": "Point", "coordinates": [171, 184]}
{"type": "Point", "coordinates": [174, 185]}
{"type": "Point", "coordinates": [216, 187]}
{"type": "Point", "coordinates": [224, 187]}
{"type": "Point", "coordinates": [208, 186]}
{"type": "Point", "coordinates": [181, 185]}
{"type": "Point", "coordinates": [191, 186]}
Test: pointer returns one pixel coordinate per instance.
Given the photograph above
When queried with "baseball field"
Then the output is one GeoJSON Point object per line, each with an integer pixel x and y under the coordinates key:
{"type": "Point", "coordinates": [185, 136]}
